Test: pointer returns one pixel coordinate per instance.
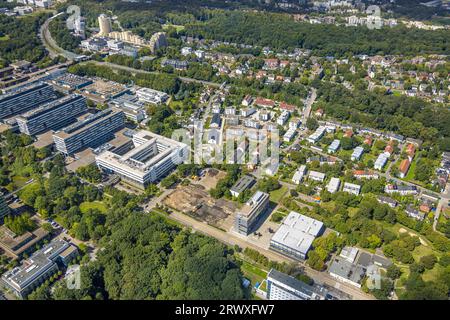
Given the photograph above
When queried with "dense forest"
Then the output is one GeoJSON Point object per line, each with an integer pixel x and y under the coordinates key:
{"type": "Point", "coordinates": [19, 38]}
{"type": "Point", "coordinates": [146, 258]}
{"type": "Point", "coordinates": [281, 32]}
{"type": "Point", "coordinates": [411, 117]}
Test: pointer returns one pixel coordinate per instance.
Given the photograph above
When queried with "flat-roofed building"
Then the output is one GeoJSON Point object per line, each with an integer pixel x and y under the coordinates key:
{"type": "Point", "coordinates": [334, 146]}
{"type": "Point", "coordinates": [401, 189]}
{"type": "Point", "coordinates": [381, 161]}
{"type": "Point", "coordinates": [317, 135]}
{"type": "Point", "coordinates": [244, 183]}
{"type": "Point", "coordinates": [289, 135]}
{"type": "Point", "coordinates": [357, 153]}
{"type": "Point", "coordinates": [333, 185]}
{"type": "Point", "coordinates": [152, 157]}
{"type": "Point", "coordinates": [299, 174]}
{"type": "Point", "coordinates": [249, 215]}
{"type": "Point", "coordinates": [386, 200]}
{"type": "Point", "coordinates": [349, 253]}
{"type": "Point", "coordinates": [15, 246]}
{"type": "Point", "coordinates": [414, 213]}
{"type": "Point", "coordinates": [52, 115]}
{"type": "Point", "coordinates": [295, 236]}
{"type": "Point", "coordinates": [26, 98]}
{"type": "Point", "coordinates": [69, 82]}
{"type": "Point", "coordinates": [4, 209]}
{"type": "Point", "coordinates": [347, 272]}
{"type": "Point", "coordinates": [352, 188]}
{"type": "Point", "coordinates": [39, 267]}
{"type": "Point", "coordinates": [152, 96]}
{"type": "Point", "coordinates": [93, 129]}
{"type": "Point", "coordinates": [284, 116]}
{"type": "Point", "coordinates": [281, 286]}
{"type": "Point", "coordinates": [130, 104]}
{"type": "Point", "coordinates": [316, 176]}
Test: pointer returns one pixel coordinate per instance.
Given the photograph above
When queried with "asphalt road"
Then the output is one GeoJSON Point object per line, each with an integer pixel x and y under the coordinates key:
{"type": "Point", "coordinates": [49, 43]}
{"type": "Point", "coordinates": [136, 71]}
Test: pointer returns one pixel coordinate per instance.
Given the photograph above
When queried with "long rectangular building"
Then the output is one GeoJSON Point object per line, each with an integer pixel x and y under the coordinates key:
{"type": "Point", "coordinates": [26, 98]}
{"type": "Point", "coordinates": [280, 286]}
{"type": "Point", "coordinates": [52, 115]}
{"type": "Point", "coordinates": [94, 129]}
{"type": "Point", "coordinates": [4, 209]}
{"type": "Point", "coordinates": [251, 212]}
{"type": "Point", "coordinates": [152, 157]}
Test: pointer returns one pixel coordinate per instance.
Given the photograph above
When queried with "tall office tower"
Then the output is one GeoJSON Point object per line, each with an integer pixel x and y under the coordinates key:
{"type": "Point", "coordinates": [104, 23]}
{"type": "Point", "coordinates": [26, 98]}
{"type": "Point", "coordinates": [249, 215]}
{"type": "Point", "coordinates": [94, 129]}
{"type": "Point", "coordinates": [52, 115]}
{"type": "Point", "coordinates": [4, 209]}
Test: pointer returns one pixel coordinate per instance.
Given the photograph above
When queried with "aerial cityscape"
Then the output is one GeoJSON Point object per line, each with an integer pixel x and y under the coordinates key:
{"type": "Point", "coordinates": [224, 150]}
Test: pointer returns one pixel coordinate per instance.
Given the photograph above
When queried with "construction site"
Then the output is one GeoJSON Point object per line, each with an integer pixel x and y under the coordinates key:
{"type": "Point", "coordinates": [195, 201]}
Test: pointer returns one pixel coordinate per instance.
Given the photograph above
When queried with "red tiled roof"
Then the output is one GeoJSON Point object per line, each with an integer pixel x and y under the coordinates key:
{"type": "Point", "coordinates": [404, 166]}
{"type": "Point", "coordinates": [285, 106]}
{"type": "Point", "coordinates": [264, 102]}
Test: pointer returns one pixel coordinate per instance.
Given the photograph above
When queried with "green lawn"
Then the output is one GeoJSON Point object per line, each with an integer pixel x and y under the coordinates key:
{"type": "Point", "coordinates": [85, 206]}
{"type": "Point", "coordinates": [4, 38]}
{"type": "Point", "coordinates": [277, 195]}
{"type": "Point", "coordinates": [421, 251]}
{"type": "Point", "coordinates": [18, 182]}
{"type": "Point", "coordinates": [177, 27]}
{"type": "Point", "coordinates": [253, 273]}
{"type": "Point", "coordinates": [411, 171]}
{"type": "Point", "coordinates": [433, 274]}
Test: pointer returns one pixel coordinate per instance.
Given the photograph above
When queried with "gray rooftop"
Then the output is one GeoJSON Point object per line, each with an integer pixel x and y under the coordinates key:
{"type": "Point", "coordinates": [243, 184]}
{"type": "Point", "coordinates": [292, 282]}
{"type": "Point", "coordinates": [298, 232]}
{"type": "Point", "coordinates": [347, 270]}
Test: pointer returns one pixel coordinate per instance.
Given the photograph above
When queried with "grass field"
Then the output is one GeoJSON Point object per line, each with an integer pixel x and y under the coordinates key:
{"type": "Point", "coordinates": [177, 27]}
{"type": "Point", "coordinates": [253, 273]}
{"type": "Point", "coordinates": [18, 182]}
{"type": "Point", "coordinates": [277, 195]}
{"type": "Point", "coordinates": [4, 38]}
{"type": "Point", "coordinates": [421, 251]}
{"type": "Point", "coordinates": [433, 274]}
{"type": "Point", "coordinates": [86, 206]}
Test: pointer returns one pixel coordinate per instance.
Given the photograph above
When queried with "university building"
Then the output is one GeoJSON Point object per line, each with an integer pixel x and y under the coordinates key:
{"type": "Point", "coordinates": [94, 129]}
{"type": "Point", "coordinates": [151, 158]}
{"type": "Point", "coordinates": [52, 115]}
